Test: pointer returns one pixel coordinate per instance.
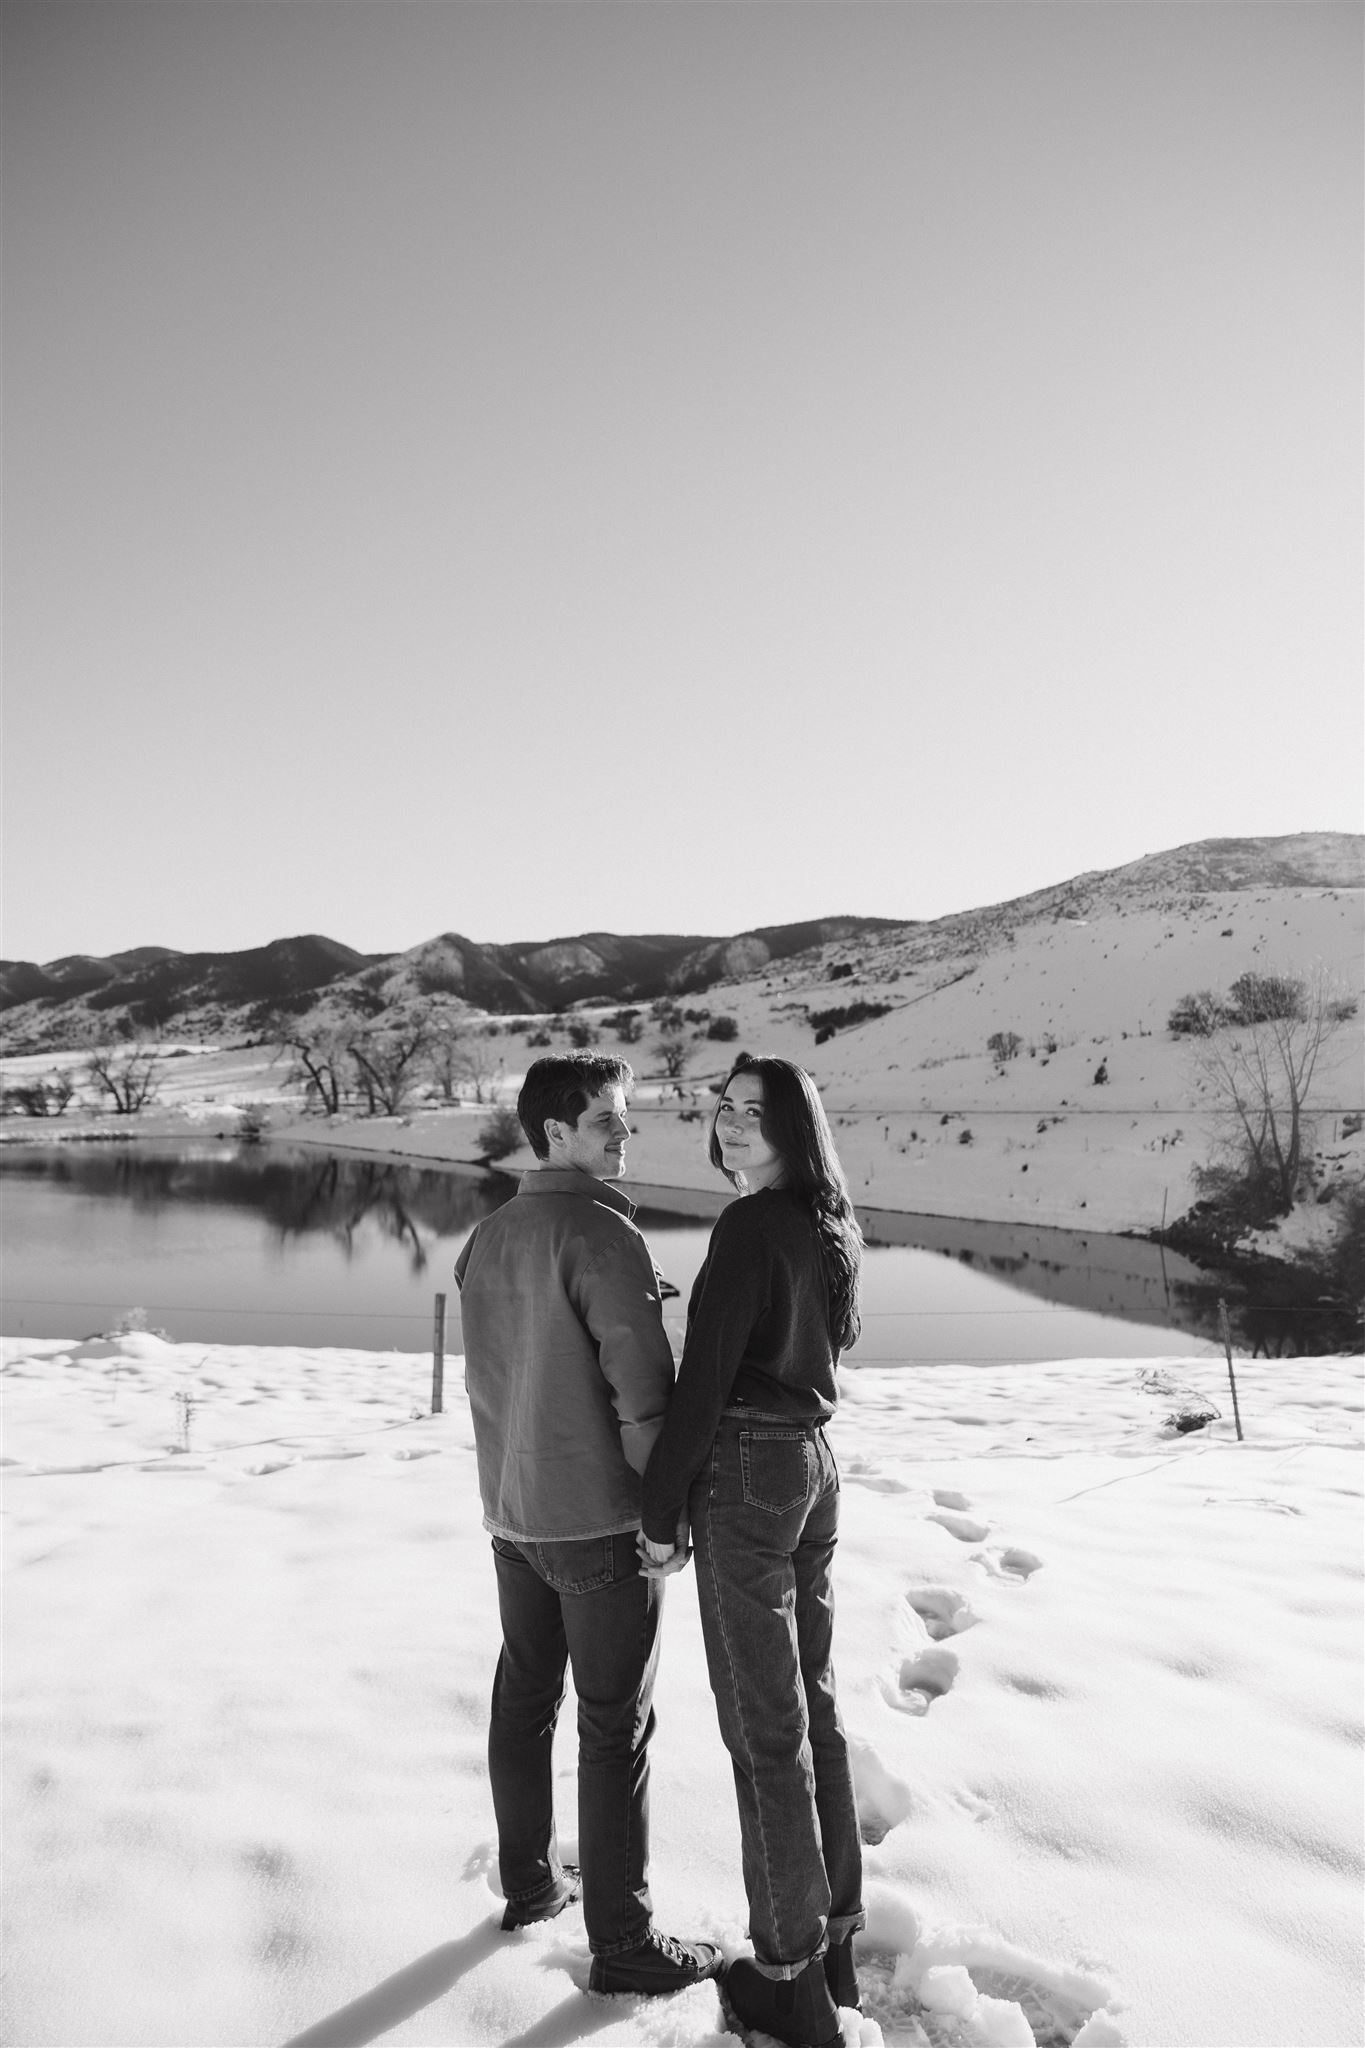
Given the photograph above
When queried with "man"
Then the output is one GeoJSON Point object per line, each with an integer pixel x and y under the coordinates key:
{"type": "Point", "coordinates": [569, 1373]}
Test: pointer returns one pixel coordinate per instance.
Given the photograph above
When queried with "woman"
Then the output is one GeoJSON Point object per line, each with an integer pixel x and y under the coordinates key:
{"type": "Point", "coordinates": [742, 1456]}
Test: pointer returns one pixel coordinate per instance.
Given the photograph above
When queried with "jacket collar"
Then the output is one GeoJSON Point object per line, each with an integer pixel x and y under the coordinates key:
{"type": "Point", "coordinates": [567, 1180]}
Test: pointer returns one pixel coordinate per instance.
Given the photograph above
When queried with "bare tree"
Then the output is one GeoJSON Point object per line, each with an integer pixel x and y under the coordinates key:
{"type": "Point", "coordinates": [319, 1064]}
{"type": "Point", "coordinates": [674, 1051]}
{"type": "Point", "coordinates": [389, 1065]}
{"type": "Point", "coordinates": [481, 1065]}
{"type": "Point", "coordinates": [45, 1095]}
{"type": "Point", "coordinates": [463, 1057]}
{"type": "Point", "coordinates": [446, 1055]}
{"type": "Point", "coordinates": [1261, 1071]}
{"type": "Point", "coordinates": [127, 1074]}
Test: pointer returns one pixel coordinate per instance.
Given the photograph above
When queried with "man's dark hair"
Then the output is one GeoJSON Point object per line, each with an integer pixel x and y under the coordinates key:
{"type": "Point", "coordinates": [562, 1086]}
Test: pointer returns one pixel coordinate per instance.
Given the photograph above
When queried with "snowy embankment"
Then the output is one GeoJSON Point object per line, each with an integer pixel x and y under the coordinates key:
{"type": "Point", "coordinates": [1102, 1679]}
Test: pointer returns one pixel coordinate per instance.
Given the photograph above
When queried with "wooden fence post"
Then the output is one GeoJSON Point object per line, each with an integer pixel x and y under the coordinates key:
{"type": "Point", "coordinates": [1232, 1377]}
{"type": "Point", "coordinates": [438, 1357]}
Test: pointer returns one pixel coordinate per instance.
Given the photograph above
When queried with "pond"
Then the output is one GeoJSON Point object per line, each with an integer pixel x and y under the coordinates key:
{"type": "Point", "coordinates": [225, 1243]}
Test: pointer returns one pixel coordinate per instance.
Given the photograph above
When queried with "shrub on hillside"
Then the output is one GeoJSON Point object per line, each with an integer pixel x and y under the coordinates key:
{"type": "Point", "coordinates": [1195, 1016]}
{"type": "Point", "coordinates": [827, 1022]}
{"type": "Point", "coordinates": [1003, 1045]}
{"type": "Point", "coordinates": [1261, 998]}
{"type": "Point", "coordinates": [723, 1028]}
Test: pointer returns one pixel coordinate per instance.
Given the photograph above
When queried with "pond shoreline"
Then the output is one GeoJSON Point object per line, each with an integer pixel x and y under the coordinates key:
{"type": "Point", "coordinates": [675, 1199]}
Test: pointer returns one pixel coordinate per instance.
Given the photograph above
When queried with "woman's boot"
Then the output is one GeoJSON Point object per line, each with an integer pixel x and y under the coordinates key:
{"type": "Point", "coordinates": [797, 2010]}
{"type": "Point", "coordinates": [841, 1974]}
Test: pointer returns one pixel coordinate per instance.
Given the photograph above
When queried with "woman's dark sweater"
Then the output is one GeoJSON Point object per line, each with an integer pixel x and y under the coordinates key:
{"type": "Point", "coordinates": [757, 1333]}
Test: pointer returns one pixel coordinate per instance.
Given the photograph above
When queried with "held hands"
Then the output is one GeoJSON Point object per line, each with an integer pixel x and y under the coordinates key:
{"type": "Point", "coordinates": [659, 1560]}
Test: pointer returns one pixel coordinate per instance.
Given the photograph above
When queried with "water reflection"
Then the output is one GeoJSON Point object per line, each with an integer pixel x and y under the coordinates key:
{"type": "Point", "coordinates": [296, 1192]}
{"type": "Point", "coordinates": [1276, 1315]}
{"type": "Point", "coordinates": [1105, 1274]}
{"type": "Point", "coordinates": [183, 1225]}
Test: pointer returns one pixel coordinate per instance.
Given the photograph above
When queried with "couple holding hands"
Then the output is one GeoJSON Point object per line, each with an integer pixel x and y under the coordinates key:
{"type": "Point", "coordinates": [600, 1475]}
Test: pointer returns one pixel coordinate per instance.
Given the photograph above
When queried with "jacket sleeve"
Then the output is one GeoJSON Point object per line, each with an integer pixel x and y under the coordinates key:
{"type": "Point", "coordinates": [734, 1293]}
{"type": "Point", "coordinates": [619, 1305]}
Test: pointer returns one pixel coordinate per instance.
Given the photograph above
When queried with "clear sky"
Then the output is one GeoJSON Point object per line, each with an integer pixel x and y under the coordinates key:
{"type": "Point", "coordinates": [523, 469]}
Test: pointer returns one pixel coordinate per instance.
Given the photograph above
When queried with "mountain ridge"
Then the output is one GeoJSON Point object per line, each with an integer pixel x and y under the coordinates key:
{"type": "Point", "coordinates": [66, 1001]}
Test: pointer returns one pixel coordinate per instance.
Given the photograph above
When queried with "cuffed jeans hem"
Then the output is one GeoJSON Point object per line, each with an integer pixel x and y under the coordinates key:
{"type": "Point", "coordinates": [841, 1925]}
{"type": "Point", "coordinates": [778, 1972]}
{"type": "Point", "coordinates": [624, 1946]}
{"type": "Point", "coordinates": [537, 1891]}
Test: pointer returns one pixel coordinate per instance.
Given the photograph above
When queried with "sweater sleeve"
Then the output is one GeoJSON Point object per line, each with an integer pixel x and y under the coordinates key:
{"type": "Point", "coordinates": [734, 1292]}
{"type": "Point", "coordinates": [619, 1303]}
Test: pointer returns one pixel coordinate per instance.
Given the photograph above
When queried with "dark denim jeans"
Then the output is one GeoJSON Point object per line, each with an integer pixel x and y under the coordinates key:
{"type": "Point", "coordinates": [765, 1518]}
{"type": "Point", "coordinates": [585, 1605]}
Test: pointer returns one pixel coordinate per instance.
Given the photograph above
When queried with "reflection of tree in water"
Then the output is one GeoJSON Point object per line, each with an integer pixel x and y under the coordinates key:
{"type": "Point", "coordinates": [294, 1193]}
{"type": "Point", "coordinates": [340, 1195]}
{"type": "Point", "coordinates": [1281, 1314]}
{"type": "Point", "coordinates": [1266, 1322]}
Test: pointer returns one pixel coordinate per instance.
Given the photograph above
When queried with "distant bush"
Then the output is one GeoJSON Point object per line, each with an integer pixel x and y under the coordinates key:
{"type": "Point", "coordinates": [827, 1022]}
{"type": "Point", "coordinates": [581, 1033]}
{"type": "Point", "coordinates": [541, 1037]}
{"type": "Point", "coordinates": [965, 1138]}
{"type": "Point", "coordinates": [841, 970]}
{"type": "Point", "coordinates": [500, 1133]}
{"type": "Point", "coordinates": [627, 1024]}
{"type": "Point", "coordinates": [254, 1123]}
{"type": "Point", "coordinates": [1260, 998]}
{"type": "Point", "coordinates": [1195, 1016]}
{"type": "Point", "coordinates": [1003, 1045]}
{"type": "Point", "coordinates": [47, 1096]}
{"type": "Point", "coordinates": [723, 1028]}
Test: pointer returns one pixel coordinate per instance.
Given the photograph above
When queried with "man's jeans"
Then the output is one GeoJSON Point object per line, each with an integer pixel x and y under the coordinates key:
{"type": "Point", "coordinates": [585, 1604]}
{"type": "Point", "coordinates": [765, 1517]}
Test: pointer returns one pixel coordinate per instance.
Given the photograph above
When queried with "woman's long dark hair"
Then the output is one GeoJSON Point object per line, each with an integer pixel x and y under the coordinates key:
{"type": "Point", "coordinates": [795, 1125]}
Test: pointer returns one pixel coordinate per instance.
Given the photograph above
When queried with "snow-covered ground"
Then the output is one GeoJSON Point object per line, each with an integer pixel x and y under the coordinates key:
{"type": "Point", "coordinates": [1103, 1682]}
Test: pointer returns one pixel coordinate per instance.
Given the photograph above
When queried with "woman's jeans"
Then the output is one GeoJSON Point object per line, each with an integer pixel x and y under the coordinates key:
{"type": "Point", "coordinates": [765, 1517]}
{"type": "Point", "coordinates": [585, 1604]}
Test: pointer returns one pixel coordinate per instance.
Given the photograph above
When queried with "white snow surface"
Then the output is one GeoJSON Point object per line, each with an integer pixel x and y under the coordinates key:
{"type": "Point", "coordinates": [1102, 1680]}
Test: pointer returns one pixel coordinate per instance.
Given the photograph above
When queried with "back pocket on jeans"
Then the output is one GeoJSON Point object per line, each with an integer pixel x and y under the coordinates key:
{"type": "Point", "coordinates": [775, 1467]}
{"type": "Point", "coordinates": [578, 1565]}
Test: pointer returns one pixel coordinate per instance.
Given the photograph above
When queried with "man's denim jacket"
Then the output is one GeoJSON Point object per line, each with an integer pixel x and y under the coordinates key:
{"type": "Point", "coordinates": [566, 1361]}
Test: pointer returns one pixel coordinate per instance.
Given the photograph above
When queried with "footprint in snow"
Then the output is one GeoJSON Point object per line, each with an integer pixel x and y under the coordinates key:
{"type": "Point", "coordinates": [965, 1527]}
{"type": "Point", "coordinates": [943, 1612]}
{"type": "Point", "coordinates": [861, 1471]}
{"type": "Point", "coordinates": [1013, 1565]}
{"type": "Point", "coordinates": [884, 1800]}
{"type": "Point", "coordinates": [921, 1680]}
